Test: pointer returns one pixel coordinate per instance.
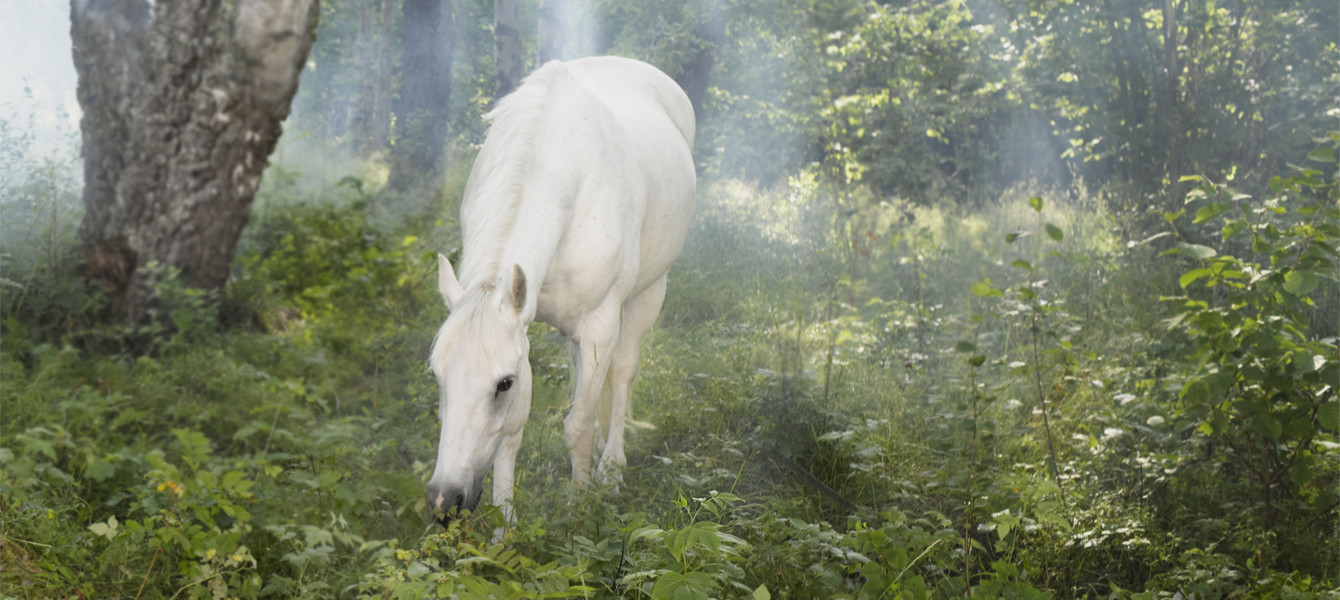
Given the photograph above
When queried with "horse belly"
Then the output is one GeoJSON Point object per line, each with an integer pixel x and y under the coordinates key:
{"type": "Point", "coordinates": [591, 263]}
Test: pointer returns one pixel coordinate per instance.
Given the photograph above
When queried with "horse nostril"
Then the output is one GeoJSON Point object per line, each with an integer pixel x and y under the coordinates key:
{"type": "Point", "coordinates": [438, 495]}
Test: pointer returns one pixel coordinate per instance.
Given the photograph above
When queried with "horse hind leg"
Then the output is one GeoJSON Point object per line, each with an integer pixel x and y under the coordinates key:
{"type": "Point", "coordinates": [603, 408]}
{"type": "Point", "coordinates": [639, 315]}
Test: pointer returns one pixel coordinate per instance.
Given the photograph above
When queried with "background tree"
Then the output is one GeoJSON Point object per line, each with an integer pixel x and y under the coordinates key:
{"type": "Point", "coordinates": [984, 298]}
{"type": "Point", "coordinates": [182, 106]}
{"type": "Point", "coordinates": [549, 33]}
{"type": "Point", "coordinates": [507, 55]}
{"type": "Point", "coordinates": [372, 113]}
{"type": "Point", "coordinates": [422, 119]}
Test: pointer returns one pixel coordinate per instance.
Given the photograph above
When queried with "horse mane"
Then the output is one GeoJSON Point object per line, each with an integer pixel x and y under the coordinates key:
{"type": "Point", "coordinates": [511, 147]}
{"type": "Point", "coordinates": [470, 323]}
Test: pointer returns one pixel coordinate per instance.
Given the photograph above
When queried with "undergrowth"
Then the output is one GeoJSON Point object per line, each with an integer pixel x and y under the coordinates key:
{"type": "Point", "coordinates": [852, 397]}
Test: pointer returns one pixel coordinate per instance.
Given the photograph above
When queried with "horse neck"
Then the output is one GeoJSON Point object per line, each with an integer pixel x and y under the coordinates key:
{"type": "Point", "coordinates": [523, 202]}
{"type": "Point", "coordinates": [525, 230]}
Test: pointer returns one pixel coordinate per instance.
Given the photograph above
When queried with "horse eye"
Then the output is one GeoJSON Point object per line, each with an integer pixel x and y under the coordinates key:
{"type": "Point", "coordinates": [505, 384]}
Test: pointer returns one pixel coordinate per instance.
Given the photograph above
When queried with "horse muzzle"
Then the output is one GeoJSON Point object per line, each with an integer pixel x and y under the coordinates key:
{"type": "Point", "coordinates": [449, 499]}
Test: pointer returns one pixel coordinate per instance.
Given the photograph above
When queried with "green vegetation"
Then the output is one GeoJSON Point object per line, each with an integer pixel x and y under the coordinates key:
{"type": "Point", "coordinates": [1010, 299]}
{"type": "Point", "coordinates": [852, 399]}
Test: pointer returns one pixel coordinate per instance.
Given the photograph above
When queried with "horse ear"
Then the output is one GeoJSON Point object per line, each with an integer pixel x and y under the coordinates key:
{"type": "Point", "coordinates": [518, 288]}
{"type": "Point", "coordinates": [446, 282]}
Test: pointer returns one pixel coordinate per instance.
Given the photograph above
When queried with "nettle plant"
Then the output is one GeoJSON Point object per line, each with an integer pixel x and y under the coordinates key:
{"type": "Point", "coordinates": [1263, 385]}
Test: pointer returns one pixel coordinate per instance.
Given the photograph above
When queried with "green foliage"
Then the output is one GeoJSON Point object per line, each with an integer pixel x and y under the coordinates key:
{"type": "Point", "coordinates": [1261, 386]}
{"type": "Point", "coordinates": [894, 368]}
{"type": "Point", "coordinates": [1110, 403]}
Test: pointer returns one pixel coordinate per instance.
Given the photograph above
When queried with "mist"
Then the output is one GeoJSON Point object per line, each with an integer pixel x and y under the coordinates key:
{"type": "Point", "coordinates": [980, 297]}
{"type": "Point", "coordinates": [40, 172]}
{"type": "Point", "coordinates": [37, 77]}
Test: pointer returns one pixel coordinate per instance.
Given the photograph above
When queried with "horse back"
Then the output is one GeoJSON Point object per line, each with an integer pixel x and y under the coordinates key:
{"type": "Point", "coordinates": [585, 181]}
{"type": "Point", "coordinates": [616, 80]}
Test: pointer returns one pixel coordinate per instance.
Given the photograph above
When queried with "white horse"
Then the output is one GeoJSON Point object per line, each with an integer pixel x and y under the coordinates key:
{"type": "Point", "coordinates": [578, 203]}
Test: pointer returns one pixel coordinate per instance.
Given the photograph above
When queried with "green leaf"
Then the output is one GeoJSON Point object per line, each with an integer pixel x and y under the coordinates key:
{"type": "Point", "coordinates": [1199, 251]}
{"type": "Point", "coordinates": [1328, 416]}
{"type": "Point", "coordinates": [1195, 392]}
{"type": "Point", "coordinates": [100, 470]}
{"type": "Point", "coordinates": [1210, 211]}
{"type": "Point", "coordinates": [1233, 228]}
{"type": "Point", "coordinates": [762, 593]}
{"type": "Point", "coordinates": [1036, 203]}
{"type": "Point", "coordinates": [1022, 264]}
{"type": "Point", "coordinates": [977, 360]}
{"type": "Point", "coordinates": [1299, 283]}
{"type": "Point", "coordinates": [1193, 275]}
{"type": "Point", "coordinates": [1259, 245]}
{"type": "Point", "coordinates": [1173, 216]}
{"type": "Point", "coordinates": [690, 585]}
{"type": "Point", "coordinates": [1053, 232]}
{"type": "Point", "coordinates": [107, 530]}
{"type": "Point", "coordinates": [1011, 237]}
{"type": "Point", "coordinates": [1322, 154]}
{"type": "Point", "coordinates": [983, 289]}
{"type": "Point", "coordinates": [964, 346]}
{"type": "Point", "coordinates": [1004, 522]}
{"type": "Point", "coordinates": [1266, 425]}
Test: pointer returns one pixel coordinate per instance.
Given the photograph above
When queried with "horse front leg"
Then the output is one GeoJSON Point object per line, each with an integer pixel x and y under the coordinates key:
{"type": "Point", "coordinates": [504, 479]}
{"type": "Point", "coordinates": [504, 475]}
{"type": "Point", "coordinates": [593, 349]}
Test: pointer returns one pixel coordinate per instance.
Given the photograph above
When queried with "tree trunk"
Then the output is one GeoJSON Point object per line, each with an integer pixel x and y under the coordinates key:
{"type": "Point", "coordinates": [549, 37]}
{"type": "Point", "coordinates": [693, 75]}
{"type": "Point", "coordinates": [507, 55]}
{"type": "Point", "coordinates": [182, 105]}
{"type": "Point", "coordinates": [372, 115]}
{"type": "Point", "coordinates": [1171, 101]}
{"type": "Point", "coordinates": [425, 74]}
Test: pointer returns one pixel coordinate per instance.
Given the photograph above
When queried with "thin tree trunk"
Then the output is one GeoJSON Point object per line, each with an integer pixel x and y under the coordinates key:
{"type": "Point", "coordinates": [693, 76]}
{"type": "Point", "coordinates": [381, 103]}
{"type": "Point", "coordinates": [1171, 102]}
{"type": "Point", "coordinates": [182, 105]}
{"type": "Point", "coordinates": [371, 118]}
{"type": "Point", "coordinates": [425, 74]}
{"type": "Point", "coordinates": [550, 31]}
{"type": "Point", "coordinates": [507, 55]}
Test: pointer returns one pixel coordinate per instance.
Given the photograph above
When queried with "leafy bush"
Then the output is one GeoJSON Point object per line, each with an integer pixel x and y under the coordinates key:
{"type": "Point", "coordinates": [1261, 393]}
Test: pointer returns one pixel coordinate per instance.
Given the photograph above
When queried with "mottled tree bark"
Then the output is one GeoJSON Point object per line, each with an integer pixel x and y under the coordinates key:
{"type": "Point", "coordinates": [507, 56]}
{"type": "Point", "coordinates": [425, 95]}
{"type": "Point", "coordinates": [182, 106]}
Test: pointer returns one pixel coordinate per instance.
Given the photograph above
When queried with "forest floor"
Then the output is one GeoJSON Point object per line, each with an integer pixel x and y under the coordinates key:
{"type": "Point", "coordinates": [850, 397]}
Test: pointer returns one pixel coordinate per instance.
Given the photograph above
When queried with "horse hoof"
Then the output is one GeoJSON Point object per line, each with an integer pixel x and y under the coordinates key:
{"type": "Point", "coordinates": [610, 476]}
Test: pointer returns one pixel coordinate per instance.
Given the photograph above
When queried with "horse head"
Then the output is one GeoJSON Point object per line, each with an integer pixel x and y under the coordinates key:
{"type": "Point", "coordinates": [480, 359]}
